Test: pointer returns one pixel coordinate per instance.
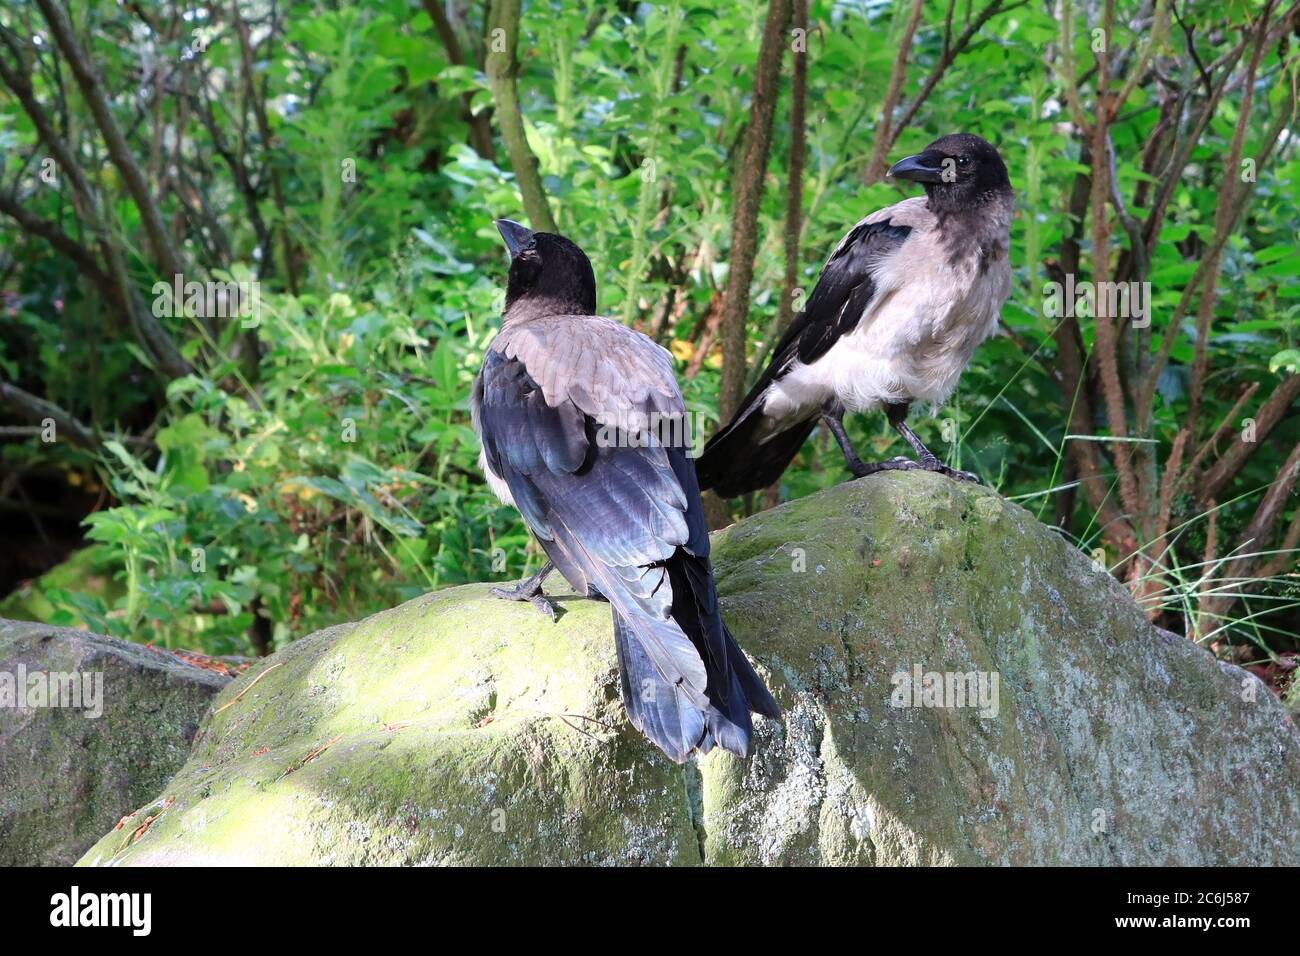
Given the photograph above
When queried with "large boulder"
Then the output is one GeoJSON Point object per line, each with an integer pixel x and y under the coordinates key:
{"type": "Point", "coordinates": [462, 729]}
{"type": "Point", "coordinates": [90, 728]}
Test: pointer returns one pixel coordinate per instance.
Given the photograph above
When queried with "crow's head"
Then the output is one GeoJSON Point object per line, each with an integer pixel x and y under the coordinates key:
{"type": "Point", "coordinates": [547, 271]}
{"type": "Point", "coordinates": [958, 172]}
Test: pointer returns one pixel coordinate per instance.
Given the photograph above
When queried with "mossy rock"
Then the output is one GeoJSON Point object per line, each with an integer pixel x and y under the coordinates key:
{"type": "Point", "coordinates": [67, 775]}
{"type": "Point", "coordinates": [457, 728]}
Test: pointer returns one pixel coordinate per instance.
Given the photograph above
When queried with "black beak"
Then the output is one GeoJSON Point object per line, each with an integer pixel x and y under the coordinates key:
{"type": "Point", "coordinates": [922, 168]}
{"type": "Point", "coordinates": [515, 235]}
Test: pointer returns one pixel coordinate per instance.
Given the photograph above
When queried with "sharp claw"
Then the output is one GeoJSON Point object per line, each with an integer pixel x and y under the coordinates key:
{"type": "Point", "coordinates": [545, 605]}
{"type": "Point", "coordinates": [533, 596]}
{"type": "Point", "coordinates": [934, 464]}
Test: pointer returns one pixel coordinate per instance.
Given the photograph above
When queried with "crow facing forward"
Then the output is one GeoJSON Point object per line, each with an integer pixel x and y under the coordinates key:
{"type": "Point", "coordinates": [901, 305]}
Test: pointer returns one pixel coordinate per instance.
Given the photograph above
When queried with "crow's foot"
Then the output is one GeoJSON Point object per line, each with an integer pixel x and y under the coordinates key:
{"type": "Point", "coordinates": [530, 590]}
{"type": "Point", "coordinates": [931, 463]}
{"type": "Point", "coordinates": [861, 469]}
{"type": "Point", "coordinates": [537, 599]}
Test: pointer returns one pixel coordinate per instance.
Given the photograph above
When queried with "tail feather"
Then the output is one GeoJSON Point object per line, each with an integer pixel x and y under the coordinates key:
{"type": "Point", "coordinates": [735, 462]}
{"type": "Point", "coordinates": [661, 709]}
{"type": "Point", "coordinates": [655, 632]}
{"type": "Point", "coordinates": [655, 707]}
{"type": "Point", "coordinates": [664, 714]}
{"type": "Point", "coordinates": [751, 686]}
{"type": "Point", "coordinates": [692, 577]}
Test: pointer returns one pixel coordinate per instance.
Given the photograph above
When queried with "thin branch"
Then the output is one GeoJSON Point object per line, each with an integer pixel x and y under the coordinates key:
{"type": "Point", "coordinates": [243, 183]}
{"type": "Point", "coordinates": [1105, 326]}
{"type": "Point", "coordinates": [81, 256]}
{"type": "Point", "coordinates": [1285, 559]}
{"type": "Point", "coordinates": [1208, 258]}
{"type": "Point", "coordinates": [794, 179]}
{"type": "Point", "coordinates": [1069, 73]}
{"type": "Point", "coordinates": [1224, 219]}
{"type": "Point", "coordinates": [1260, 530]}
{"type": "Point", "coordinates": [257, 104]}
{"type": "Point", "coordinates": [1270, 413]}
{"type": "Point", "coordinates": [880, 148]}
{"type": "Point", "coordinates": [1160, 23]}
{"type": "Point", "coordinates": [480, 127]}
{"type": "Point", "coordinates": [1225, 426]}
{"type": "Point", "coordinates": [38, 411]}
{"type": "Point", "coordinates": [150, 332]}
{"type": "Point", "coordinates": [945, 60]}
{"type": "Point", "coordinates": [1137, 245]}
{"type": "Point", "coordinates": [167, 256]}
{"type": "Point", "coordinates": [1181, 154]}
{"type": "Point", "coordinates": [1189, 36]}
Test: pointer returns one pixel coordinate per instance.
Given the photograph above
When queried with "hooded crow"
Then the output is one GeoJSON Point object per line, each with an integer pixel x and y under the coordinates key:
{"type": "Point", "coordinates": [897, 312]}
{"type": "Point", "coordinates": [572, 411]}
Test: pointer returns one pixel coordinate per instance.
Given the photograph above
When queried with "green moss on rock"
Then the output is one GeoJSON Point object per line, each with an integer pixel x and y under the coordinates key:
{"type": "Point", "coordinates": [65, 778]}
{"type": "Point", "coordinates": [461, 729]}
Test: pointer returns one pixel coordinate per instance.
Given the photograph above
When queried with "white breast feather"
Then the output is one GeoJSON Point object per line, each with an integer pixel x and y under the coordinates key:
{"type": "Point", "coordinates": [495, 481]}
{"type": "Point", "coordinates": [911, 344]}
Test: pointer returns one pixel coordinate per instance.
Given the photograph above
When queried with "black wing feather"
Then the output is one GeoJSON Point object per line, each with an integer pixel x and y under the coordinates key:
{"type": "Point", "coordinates": [733, 462]}
{"type": "Point", "coordinates": [844, 289]}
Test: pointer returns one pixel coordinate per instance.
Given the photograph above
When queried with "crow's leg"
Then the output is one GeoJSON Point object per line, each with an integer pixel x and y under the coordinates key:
{"type": "Point", "coordinates": [530, 590]}
{"type": "Point", "coordinates": [860, 469]}
{"type": "Point", "coordinates": [897, 415]}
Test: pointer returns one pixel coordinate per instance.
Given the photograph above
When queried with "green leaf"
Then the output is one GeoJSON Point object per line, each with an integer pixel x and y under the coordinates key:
{"type": "Point", "coordinates": [1288, 359]}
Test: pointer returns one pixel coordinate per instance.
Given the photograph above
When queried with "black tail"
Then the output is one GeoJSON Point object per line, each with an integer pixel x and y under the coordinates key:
{"type": "Point", "coordinates": [735, 462]}
{"type": "Point", "coordinates": [660, 709]}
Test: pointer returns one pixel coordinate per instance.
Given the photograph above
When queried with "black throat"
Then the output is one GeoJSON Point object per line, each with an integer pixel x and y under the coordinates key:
{"type": "Point", "coordinates": [946, 202]}
{"type": "Point", "coordinates": [977, 230]}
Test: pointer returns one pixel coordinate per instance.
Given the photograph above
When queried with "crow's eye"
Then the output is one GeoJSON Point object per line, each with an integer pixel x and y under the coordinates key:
{"type": "Point", "coordinates": [963, 161]}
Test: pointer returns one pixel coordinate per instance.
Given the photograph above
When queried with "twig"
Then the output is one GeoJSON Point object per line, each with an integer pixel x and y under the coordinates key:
{"type": "Point", "coordinates": [879, 150]}
{"type": "Point", "coordinates": [234, 700]}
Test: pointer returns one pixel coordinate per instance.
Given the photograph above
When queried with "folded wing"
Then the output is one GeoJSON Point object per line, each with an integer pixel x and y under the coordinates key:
{"type": "Point", "coordinates": [747, 454]}
{"type": "Point", "coordinates": [617, 509]}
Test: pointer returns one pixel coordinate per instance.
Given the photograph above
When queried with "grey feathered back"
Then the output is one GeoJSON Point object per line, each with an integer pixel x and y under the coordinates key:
{"type": "Point", "coordinates": [600, 365]}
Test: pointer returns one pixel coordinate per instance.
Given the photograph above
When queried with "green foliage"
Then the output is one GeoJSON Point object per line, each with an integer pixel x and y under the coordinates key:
{"type": "Point", "coordinates": [320, 465]}
{"type": "Point", "coordinates": [349, 481]}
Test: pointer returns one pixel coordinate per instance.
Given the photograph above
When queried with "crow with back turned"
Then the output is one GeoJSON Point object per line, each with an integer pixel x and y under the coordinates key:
{"type": "Point", "coordinates": [565, 407]}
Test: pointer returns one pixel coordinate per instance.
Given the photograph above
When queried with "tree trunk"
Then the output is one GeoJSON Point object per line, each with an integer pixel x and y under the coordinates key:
{"type": "Point", "coordinates": [502, 68]}
{"type": "Point", "coordinates": [794, 182]}
{"type": "Point", "coordinates": [748, 194]}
